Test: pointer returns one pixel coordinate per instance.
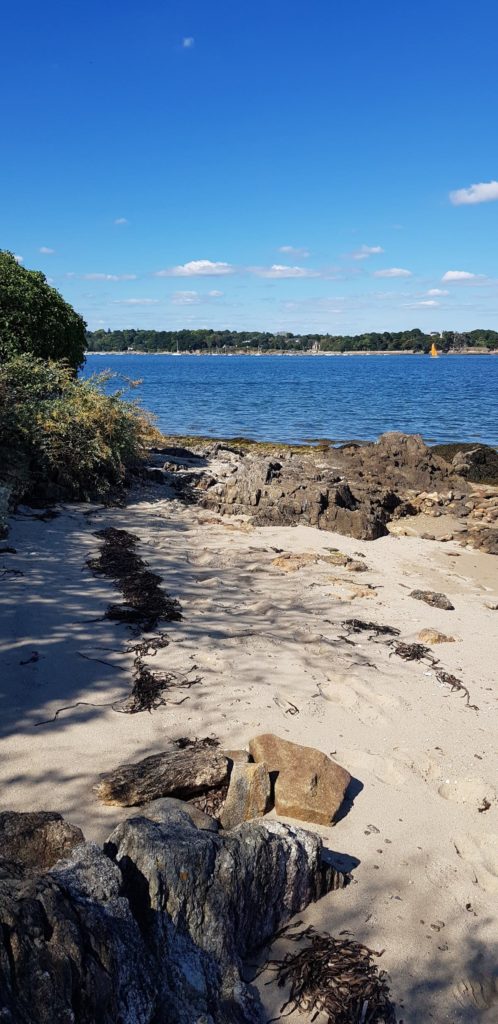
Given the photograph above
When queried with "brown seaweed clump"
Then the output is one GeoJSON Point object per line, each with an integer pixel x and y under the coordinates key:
{"type": "Point", "coordinates": [337, 977]}
{"type": "Point", "coordinates": [145, 602]}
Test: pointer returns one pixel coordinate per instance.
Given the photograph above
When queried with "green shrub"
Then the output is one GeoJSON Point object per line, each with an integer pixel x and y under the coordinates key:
{"type": "Point", "coordinates": [35, 318]}
{"type": "Point", "coordinates": [66, 438]}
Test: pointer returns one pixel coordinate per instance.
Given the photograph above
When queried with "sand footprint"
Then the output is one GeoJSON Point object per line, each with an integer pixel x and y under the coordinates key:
{"type": "Point", "coordinates": [481, 853]}
{"type": "Point", "coordinates": [366, 765]}
{"type": "Point", "coordinates": [468, 791]}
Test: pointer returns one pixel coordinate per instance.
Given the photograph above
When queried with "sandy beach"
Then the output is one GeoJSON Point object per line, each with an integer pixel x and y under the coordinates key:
{"type": "Point", "coordinates": [262, 647]}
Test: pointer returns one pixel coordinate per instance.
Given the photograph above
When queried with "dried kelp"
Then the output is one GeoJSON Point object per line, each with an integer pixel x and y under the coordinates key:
{"type": "Point", "coordinates": [150, 689]}
{"type": "Point", "coordinates": [359, 626]}
{"type": "Point", "coordinates": [145, 603]}
{"type": "Point", "coordinates": [205, 743]}
{"type": "Point", "coordinates": [413, 652]}
{"type": "Point", "coordinates": [337, 977]}
{"type": "Point", "coordinates": [409, 652]}
{"type": "Point", "coordinates": [455, 684]}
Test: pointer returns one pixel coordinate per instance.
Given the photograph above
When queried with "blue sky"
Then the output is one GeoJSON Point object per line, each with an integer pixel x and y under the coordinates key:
{"type": "Point", "coordinates": [319, 166]}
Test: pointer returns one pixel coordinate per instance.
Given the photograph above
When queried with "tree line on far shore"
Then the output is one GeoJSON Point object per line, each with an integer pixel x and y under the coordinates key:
{"type": "Point", "coordinates": [211, 341]}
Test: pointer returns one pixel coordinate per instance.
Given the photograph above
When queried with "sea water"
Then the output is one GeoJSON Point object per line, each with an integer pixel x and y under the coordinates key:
{"type": "Point", "coordinates": [302, 398]}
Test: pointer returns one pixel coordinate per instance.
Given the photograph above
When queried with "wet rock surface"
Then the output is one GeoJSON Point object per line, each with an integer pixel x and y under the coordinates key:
{"type": "Point", "coordinates": [154, 928]}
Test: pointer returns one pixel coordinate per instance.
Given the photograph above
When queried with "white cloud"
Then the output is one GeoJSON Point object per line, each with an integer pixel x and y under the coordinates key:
{"type": "Point", "coordinates": [365, 251]}
{"type": "Point", "coordinates": [458, 275]}
{"type": "Point", "coordinates": [292, 250]}
{"type": "Point", "coordinates": [107, 277]}
{"type": "Point", "coordinates": [483, 192]}
{"type": "Point", "coordinates": [18, 259]}
{"type": "Point", "coordinates": [393, 272]}
{"type": "Point", "coordinates": [121, 220]}
{"type": "Point", "coordinates": [279, 271]}
{"type": "Point", "coordinates": [185, 298]}
{"type": "Point", "coordinates": [438, 291]}
{"type": "Point", "coordinates": [188, 42]}
{"type": "Point", "coordinates": [215, 294]}
{"type": "Point", "coordinates": [135, 302]}
{"type": "Point", "coordinates": [45, 251]}
{"type": "Point", "coordinates": [428, 302]}
{"type": "Point", "coordinates": [197, 268]}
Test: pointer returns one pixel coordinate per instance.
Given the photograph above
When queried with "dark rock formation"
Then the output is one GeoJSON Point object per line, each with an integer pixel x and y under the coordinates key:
{"type": "Point", "coordinates": [476, 462]}
{"type": "Point", "coordinates": [156, 935]}
{"type": "Point", "coordinates": [433, 598]}
{"type": "Point", "coordinates": [205, 901]}
{"type": "Point", "coordinates": [38, 839]}
{"type": "Point", "coordinates": [70, 949]}
{"type": "Point", "coordinates": [356, 489]}
{"type": "Point", "coordinates": [180, 773]}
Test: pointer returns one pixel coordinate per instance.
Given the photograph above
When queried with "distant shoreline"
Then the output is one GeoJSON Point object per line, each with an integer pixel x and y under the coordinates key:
{"type": "Point", "coordinates": [359, 352]}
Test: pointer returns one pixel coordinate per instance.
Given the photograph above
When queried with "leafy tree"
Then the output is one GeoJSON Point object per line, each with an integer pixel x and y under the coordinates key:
{"type": "Point", "coordinates": [35, 319]}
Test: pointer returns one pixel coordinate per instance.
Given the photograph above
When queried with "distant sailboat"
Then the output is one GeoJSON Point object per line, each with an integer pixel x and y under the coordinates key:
{"type": "Point", "coordinates": [434, 351]}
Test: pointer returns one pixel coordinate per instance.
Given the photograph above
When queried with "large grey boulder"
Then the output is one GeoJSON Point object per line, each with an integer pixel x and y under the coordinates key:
{"type": "Point", "coordinates": [70, 949]}
{"type": "Point", "coordinates": [205, 901]}
{"type": "Point", "coordinates": [156, 935]}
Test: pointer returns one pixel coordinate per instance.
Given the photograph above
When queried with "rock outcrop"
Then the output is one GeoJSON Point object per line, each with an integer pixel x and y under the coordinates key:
{"type": "Point", "coordinates": [309, 786]}
{"type": "Point", "coordinates": [37, 840]}
{"type": "Point", "coordinates": [154, 930]}
{"type": "Point", "coordinates": [206, 901]}
{"type": "Point", "coordinates": [71, 951]}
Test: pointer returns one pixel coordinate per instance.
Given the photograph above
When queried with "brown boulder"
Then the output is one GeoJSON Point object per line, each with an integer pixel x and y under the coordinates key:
{"type": "Point", "coordinates": [309, 785]}
{"type": "Point", "coordinates": [248, 794]}
{"type": "Point", "coordinates": [181, 773]}
{"type": "Point", "coordinates": [433, 636]}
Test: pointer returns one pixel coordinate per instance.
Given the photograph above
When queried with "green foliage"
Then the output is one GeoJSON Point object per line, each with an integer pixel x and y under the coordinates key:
{"type": "Point", "coordinates": [35, 318]}
{"type": "Point", "coordinates": [209, 341]}
{"type": "Point", "coordinates": [65, 438]}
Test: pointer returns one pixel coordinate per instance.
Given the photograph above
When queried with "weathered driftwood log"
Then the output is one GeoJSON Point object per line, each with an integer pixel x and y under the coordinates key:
{"type": "Point", "coordinates": [180, 773]}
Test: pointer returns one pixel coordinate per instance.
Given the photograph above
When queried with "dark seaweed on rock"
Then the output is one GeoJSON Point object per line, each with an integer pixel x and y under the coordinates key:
{"type": "Point", "coordinates": [145, 603]}
{"type": "Point", "coordinates": [337, 977]}
{"type": "Point", "coordinates": [358, 626]}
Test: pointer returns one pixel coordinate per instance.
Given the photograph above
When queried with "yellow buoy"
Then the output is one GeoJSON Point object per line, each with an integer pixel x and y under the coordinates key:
{"type": "Point", "coordinates": [434, 351]}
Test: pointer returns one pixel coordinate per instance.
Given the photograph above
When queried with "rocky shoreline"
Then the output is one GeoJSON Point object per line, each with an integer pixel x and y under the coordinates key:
{"type": "Point", "coordinates": [356, 489]}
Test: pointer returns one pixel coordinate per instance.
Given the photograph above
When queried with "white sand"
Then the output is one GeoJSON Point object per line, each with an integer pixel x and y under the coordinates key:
{"type": "Point", "coordinates": [425, 865]}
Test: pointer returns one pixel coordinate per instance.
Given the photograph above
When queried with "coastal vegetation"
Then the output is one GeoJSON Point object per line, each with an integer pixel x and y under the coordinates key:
{"type": "Point", "coordinates": [211, 341]}
{"type": "Point", "coordinates": [60, 437]}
